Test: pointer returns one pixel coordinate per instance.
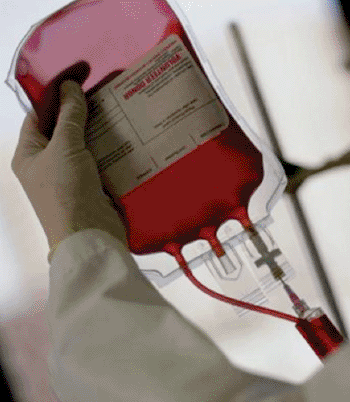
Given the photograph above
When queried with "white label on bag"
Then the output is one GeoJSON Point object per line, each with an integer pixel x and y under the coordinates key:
{"type": "Point", "coordinates": [152, 115]}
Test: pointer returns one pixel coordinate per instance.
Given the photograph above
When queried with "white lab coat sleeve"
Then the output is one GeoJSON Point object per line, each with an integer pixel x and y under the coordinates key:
{"type": "Point", "coordinates": [114, 338]}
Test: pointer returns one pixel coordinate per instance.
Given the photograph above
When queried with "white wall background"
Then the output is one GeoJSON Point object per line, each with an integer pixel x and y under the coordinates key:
{"type": "Point", "coordinates": [297, 55]}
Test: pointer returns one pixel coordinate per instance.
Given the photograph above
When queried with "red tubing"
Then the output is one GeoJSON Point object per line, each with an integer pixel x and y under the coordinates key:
{"type": "Point", "coordinates": [183, 264]}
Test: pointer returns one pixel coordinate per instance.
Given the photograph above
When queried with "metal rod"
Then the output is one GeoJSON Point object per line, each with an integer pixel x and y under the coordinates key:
{"type": "Point", "coordinates": [261, 106]}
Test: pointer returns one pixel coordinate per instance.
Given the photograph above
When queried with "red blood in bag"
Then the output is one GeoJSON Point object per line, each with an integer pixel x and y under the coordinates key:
{"type": "Point", "coordinates": [92, 42]}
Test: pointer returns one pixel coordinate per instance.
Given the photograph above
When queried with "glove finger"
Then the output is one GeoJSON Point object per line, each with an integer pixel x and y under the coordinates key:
{"type": "Point", "coordinates": [30, 142]}
{"type": "Point", "coordinates": [70, 127]}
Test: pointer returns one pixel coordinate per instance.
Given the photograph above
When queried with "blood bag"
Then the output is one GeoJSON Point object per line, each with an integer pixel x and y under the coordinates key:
{"type": "Point", "coordinates": [179, 162]}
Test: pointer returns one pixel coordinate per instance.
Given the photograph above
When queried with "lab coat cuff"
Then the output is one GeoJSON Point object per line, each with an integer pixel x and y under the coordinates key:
{"type": "Point", "coordinates": [83, 244]}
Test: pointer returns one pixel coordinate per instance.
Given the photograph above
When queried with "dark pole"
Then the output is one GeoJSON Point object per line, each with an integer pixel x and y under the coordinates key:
{"type": "Point", "coordinates": [290, 171]}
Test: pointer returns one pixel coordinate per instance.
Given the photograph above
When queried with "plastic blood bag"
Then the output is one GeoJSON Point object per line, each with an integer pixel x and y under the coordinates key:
{"type": "Point", "coordinates": [161, 159]}
{"type": "Point", "coordinates": [171, 150]}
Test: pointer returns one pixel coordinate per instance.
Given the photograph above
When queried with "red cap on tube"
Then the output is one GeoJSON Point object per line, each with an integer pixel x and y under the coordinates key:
{"type": "Point", "coordinates": [320, 333]}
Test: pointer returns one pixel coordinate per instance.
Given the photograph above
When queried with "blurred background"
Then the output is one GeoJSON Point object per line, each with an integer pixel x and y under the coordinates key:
{"type": "Point", "coordinates": [298, 54]}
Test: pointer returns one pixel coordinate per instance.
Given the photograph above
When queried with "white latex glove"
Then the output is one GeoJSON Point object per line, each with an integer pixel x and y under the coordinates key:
{"type": "Point", "coordinates": [60, 176]}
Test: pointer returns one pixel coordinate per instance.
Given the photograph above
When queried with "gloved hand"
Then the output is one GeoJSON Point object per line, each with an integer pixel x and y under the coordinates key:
{"type": "Point", "coordinates": [60, 176]}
